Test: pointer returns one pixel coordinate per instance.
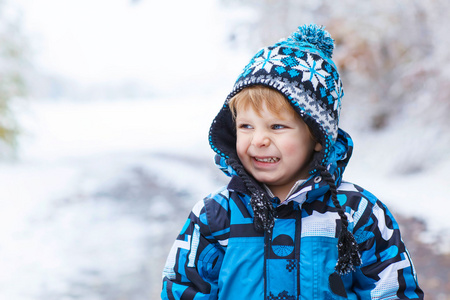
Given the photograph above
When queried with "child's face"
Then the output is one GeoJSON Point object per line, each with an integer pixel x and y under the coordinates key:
{"type": "Point", "coordinates": [275, 150]}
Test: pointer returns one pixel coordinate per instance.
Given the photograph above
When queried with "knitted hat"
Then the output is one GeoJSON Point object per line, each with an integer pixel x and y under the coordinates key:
{"type": "Point", "coordinates": [300, 68]}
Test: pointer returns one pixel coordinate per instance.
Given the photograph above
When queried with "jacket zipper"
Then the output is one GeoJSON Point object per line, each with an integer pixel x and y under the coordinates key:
{"type": "Point", "coordinates": [298, 235]}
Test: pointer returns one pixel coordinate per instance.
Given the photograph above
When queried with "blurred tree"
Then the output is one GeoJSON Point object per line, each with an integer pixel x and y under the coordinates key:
{"type": "Point", "coordinates": [12, 82]}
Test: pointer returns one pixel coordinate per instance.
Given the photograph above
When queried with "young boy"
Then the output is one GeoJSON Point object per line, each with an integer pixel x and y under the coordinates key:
{"type": "Point", "coordinates": [287, 226]}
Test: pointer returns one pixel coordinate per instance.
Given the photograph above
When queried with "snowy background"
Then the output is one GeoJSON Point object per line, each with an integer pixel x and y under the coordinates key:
{"type": "Point", "coordinates": [113, 148]}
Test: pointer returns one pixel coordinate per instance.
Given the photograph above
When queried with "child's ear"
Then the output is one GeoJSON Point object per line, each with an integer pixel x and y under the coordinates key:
{"type": "Point", "coordinates": [318, 147]}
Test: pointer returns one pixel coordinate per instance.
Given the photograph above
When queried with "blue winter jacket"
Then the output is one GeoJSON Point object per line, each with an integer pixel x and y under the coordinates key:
{"type": "Point", "coordinates": [220, 255]}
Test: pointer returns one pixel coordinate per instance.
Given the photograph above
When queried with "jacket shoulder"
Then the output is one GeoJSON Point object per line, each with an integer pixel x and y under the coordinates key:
{"type": "Point", "coordinates": [365, 209]}
{"type": "Point", "coordinates": [352, 194]}
{"type": "Point", "coordinates": [220, 197]}
{"type": "Point", "coordinates": [217, 209]}
{"type": "Point", "coordinates": [358, 202]}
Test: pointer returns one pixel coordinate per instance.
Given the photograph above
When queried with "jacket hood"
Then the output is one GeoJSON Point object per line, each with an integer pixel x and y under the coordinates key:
{"type": "Point", "coordinates": [340, 155]}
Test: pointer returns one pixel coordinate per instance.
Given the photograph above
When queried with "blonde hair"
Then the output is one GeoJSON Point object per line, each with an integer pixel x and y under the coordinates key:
{"type": "Point", "coordinates": [258, 95]}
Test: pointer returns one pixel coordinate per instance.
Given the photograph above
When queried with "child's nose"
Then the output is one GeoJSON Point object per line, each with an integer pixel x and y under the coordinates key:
{"type": "Point", "coordinates": [261, 139]}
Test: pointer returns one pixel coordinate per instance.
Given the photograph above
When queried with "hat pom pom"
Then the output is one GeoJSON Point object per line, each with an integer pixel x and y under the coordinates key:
{"type": "Point", "coordinates": [316, 36]}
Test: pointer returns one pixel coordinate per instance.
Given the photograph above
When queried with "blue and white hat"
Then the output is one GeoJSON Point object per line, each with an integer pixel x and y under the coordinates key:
{"type": "Point", "coordinates": [299, 67]}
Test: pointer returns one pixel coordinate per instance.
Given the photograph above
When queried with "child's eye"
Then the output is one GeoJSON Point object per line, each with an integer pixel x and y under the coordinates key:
{"type": "Point", "coordinates": [245, 126]}
{"type": "Point", "coordinates": [278, 126]}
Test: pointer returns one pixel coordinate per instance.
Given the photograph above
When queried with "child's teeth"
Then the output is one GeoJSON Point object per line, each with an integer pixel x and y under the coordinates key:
{"type": "Point", "coordinates": [270, 159]}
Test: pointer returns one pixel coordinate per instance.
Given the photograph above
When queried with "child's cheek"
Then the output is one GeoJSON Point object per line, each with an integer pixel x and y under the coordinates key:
{"type": "Point", "coordinates": [290, 148]}
{"type": "Point", "coordinates": [241, 147]}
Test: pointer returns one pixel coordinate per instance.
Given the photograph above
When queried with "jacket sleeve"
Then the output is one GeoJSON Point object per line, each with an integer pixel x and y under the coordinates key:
{"type": "Point", "coordinates": [387, 271]}
{"type": "Point", "coordinates": [193, 265]}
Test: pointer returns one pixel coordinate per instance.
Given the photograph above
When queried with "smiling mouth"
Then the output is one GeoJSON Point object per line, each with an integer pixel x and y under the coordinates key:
{"type": "Point", "coordinates": [268, 159]}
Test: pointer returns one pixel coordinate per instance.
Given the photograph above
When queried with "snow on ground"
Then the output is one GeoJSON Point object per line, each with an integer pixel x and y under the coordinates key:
{"type": "Point", "coordinates": [72, 224]}
{"type": "Point", "coordinates": [101, 188]}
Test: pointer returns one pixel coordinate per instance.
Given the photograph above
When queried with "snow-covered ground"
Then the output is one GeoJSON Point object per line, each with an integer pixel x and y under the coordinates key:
{"type": "Point", "coordinates": [83, 208]}
{"type": "Point", "coordinates": [100, 190]}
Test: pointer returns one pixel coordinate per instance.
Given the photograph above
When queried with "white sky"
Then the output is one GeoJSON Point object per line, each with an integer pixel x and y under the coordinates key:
{"type": "Point", "coordinates": [99, 40]}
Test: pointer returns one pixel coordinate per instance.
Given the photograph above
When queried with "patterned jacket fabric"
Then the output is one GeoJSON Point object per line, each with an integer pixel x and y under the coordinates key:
{"type": "Point", "coordinates": [220, 255]}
